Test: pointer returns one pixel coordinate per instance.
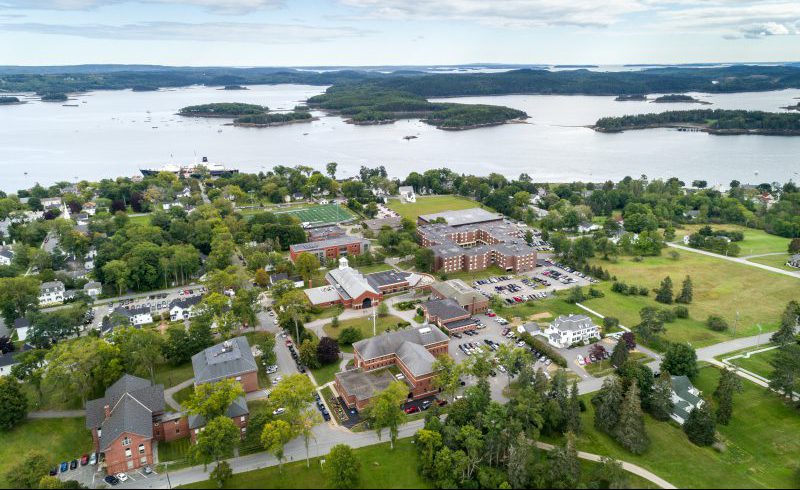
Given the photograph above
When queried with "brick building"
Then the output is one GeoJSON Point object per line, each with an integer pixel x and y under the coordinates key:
{"type": "Point", "coordinates": [412, 351]}
{"type": "Point", "coordinates": [474, 239]}
{"type": "Point", "coordinates": [231, 359]}
{"type": "Point", "coordinates": [330, 248]}
{"type": "Point", "coordinates": [448, 315]}
{"type": "Point", "coordinates": [466, 297]}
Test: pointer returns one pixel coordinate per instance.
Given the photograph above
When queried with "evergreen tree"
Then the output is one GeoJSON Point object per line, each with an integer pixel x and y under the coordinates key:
{"type": "Point", "coordinates": [620, 354]}
{"type": "Point", "coordinates": [574, 411]}
{"type": "Point", "coordinates": [608, 402]}
{"type": "Point", "coordinates": [729, 384]}
{"type": "Point", "coordinates": [664, 293]}
{"type": "Point", "coordinates": [685, 297]}
{"type": "Point", "coordinates": [630, 431]}
{"type": "Point", "coordinates": [564, 470]}
{"type": "Point", "coordinates": [660, 406]}
{"type": "Point", "coordinates": [787, 332]}
{"type": "Point", "coordinates": [785, 376]}
{"type": "Point", "coordinates": [700, 426]}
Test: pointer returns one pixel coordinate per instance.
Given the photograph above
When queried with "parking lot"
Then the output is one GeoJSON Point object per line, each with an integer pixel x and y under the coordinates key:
{"type": "Point", "coordinates": [92, 475]}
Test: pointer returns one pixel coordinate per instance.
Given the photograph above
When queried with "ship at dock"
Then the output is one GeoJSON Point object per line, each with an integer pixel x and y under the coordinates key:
{"type": "Point", "coordinates": [196, 170]}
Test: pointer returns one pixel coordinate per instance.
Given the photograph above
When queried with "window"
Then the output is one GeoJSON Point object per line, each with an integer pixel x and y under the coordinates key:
{"type": "Point", "coordinates": [128, 452]}
{"type": "Point", "coordinates": [141, 448]}
{"type": "Point", "coordinates": [126, 441]}
{"type": "Point", "coordinates": [243, 418]}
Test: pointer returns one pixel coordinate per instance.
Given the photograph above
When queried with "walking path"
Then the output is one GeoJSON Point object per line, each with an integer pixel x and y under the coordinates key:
{"type": "Point", "coordinates": [169, 392]}
{"type": "Point", "coordinates": [56, 414]}
{"type": "Point", "coordinates": [629, 467]}
{"type": "Point", "coordinates": [738, 260]}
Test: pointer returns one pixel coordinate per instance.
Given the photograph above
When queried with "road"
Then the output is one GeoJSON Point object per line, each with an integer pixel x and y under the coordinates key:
{"type": "Point", "coordinates": [738, 260]}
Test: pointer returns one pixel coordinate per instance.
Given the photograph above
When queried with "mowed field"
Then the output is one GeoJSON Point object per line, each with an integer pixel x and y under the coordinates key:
{"type": "Point", "coordinates": [755, 241]}
{"type": "Point", "coordinates": [721, 288]}
{"type": "Point", "coordinates": [775, 260]}
{"type": "Point", "coordinates": [758, 363]}
{"type": "Point", "coordinates": [59, 439]}
{"type": "Point", "coordinates": [761, 443]}
{"type": "Point", "coordinates": [324, 213]}
{"type": "Point", "coordinates": [430, 205]}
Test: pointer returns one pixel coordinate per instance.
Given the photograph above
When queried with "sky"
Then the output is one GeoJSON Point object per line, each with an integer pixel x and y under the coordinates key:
{"type": "Point", "coordinates": [396, 32]}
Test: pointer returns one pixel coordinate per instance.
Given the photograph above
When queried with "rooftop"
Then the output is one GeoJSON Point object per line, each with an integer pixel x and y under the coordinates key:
{"type": "Point", "coordinates": [223, 360]}
{"type": "Point", "coordinates": [463, 217]}
{"type": "Point", "coordinates": [572, 322]}
{"type": "Point", "coordinates": [444, 309]}
{"type": "Point", "coordinates": [331, 242]}
{"type": "Point", "coordinates": [364, 385]}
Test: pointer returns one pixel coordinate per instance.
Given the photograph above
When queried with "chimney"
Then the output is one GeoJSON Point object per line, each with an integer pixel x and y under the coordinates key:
{"type": "Point", "coordinates": [107, 409]}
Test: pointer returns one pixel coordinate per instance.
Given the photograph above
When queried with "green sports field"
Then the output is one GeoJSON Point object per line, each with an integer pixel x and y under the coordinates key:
{"type": "Point", "coordinates": [324, 213]}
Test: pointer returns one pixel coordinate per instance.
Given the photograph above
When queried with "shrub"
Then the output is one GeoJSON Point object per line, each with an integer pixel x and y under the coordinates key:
{"type": "Point", "coordinates": [544, 348]}
{"type": "Point", "coordinates": [716, 323]}
{"type": "Point", "coordinates": [610, 322]}
{"type": "Point", "coordinates": [681, 312]}
{"type": "Point", "coordinates": [349, 336]}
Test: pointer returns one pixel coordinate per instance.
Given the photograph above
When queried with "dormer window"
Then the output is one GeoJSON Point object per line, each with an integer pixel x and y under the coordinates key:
{"type": "Point", "coordinates": [126, 441]}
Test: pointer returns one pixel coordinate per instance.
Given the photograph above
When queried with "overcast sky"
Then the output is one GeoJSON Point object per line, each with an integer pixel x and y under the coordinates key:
{"type": "Point", "coordinates": [396, 32]}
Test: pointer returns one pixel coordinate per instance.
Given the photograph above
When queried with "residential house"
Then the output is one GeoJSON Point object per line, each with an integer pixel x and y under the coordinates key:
{"type": "Point", "coordinates": [231, 359]}
{"type": "Point", "coordinates": [6, 255]}
{"type": "Point", "coordinates": [51, 293]}
{"type": "Point", "coordinates": [137, 316]}
{"type": "Point", "coordinates": [565, 330]}
{"type": "Point", "coordinates": [93, 289]}
{"type": "Point", "coordinates": [588, 227]}
{"type": "Point", "coordinates": [9, 360]}
{"type": "Point", "coordinates": [297, 281]}
{"type": "Point", "coordinates": [90, 208]}
{"type": "Point", "coordinates": [685, 398]}
{"type": "Point", "coordinates": [407, 193]}
{"type": "Point", "coordinates": [184, 308]}
{"type": "Point", "coordinates": [22, 326]}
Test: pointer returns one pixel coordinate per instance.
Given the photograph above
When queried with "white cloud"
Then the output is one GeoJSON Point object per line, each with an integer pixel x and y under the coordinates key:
{"type": "Point", "coordinates": [210, 31]}
{"type": "Point", "coordinates": [221, 6]}
{"type": "Point", "coordinates": [734, 19]}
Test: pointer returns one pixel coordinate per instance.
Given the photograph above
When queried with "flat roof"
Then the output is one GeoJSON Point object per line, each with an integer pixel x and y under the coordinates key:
{"type": "Point", "coordinates": [332, 242]}
{"type": "Point", "coordinates": [364, 385]}
{"type": "Point", "coordinates": [463, 217]}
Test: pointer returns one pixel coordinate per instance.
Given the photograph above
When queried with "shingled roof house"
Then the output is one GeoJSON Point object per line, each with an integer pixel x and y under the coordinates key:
{"type": "Point", "coordinates": [413, 351]}
{"type": "Point", "coordinates": [568, 330]}
{"type": "Point", "coordinates": [126, 421]}
{"type": "Point", "coordinates": [685, 398]}
{"type": "Point", "coordinates": [231, 359]}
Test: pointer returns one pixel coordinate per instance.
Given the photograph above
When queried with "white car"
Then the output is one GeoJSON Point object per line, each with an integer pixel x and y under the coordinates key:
{"type": "Point", "coordinates": [122, 477]}
{"type": "Point", "coordinates": [279, 411]}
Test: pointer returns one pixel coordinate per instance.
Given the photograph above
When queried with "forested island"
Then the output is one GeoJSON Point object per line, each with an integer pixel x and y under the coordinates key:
{"type": "Point", "coordinates": [223, 109]}
{"type": "Point", "coordinates": [795, 107]}
{"type": "Point", "coordinates": [631, 98]}
{"type": "Point", "coordinates": [10, 100]}
{"type": "Point", "coordinates": [678, 98]}
{"type": "Point", "coordinates": [273, 119]}
{"type": "Point", "coordinates": [145, 88]}
{"type": "Point", "coordinates": [714, 121]}
{"type": "Point", "coordinates": [53, 97]}
{"type": "Point", "coordinates": [367, 104]}
{"type": "Point", "coordinates": [234, 87]}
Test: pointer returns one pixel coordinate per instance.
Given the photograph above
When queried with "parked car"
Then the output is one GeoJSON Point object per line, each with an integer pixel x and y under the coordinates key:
{"type": "Point", "coordinates": [73, 464]}
{"type": "Point", "coordinates": [54, 471]}
{"type": "Point", "coordinates": [413, 409]}
{"type": "Point", "coordinates": [279, 411]}
{"type": "Point", "coordinates": [123, 477]}
{"type": "Point", "coordinates": [84, 460]}
{"type": "Point", "coordinates": [64, 466]}
{"type": "Point", "coordinates": [441, 403]}
{"type": "Point", "coordinates": [426, 404]}
{"type": "Point", "coordinates": [148, 470]}
{"type": "Point", "coordinates": [111, 480]}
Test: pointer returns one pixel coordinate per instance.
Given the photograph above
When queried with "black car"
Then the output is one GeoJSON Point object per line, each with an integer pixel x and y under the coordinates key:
{"type": "Point", "coordinates": [73, 464]}
{"type": "Point", "coordinates": [426, 404]}
{"type": "Point", "coordinates": [111, 480]}
{"type": "Point", "coordinates": [326, 416]}
{"type": "Point", "coordinates": [54, 471]}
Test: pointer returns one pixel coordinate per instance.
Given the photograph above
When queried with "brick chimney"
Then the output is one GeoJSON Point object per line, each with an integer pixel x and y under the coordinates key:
{"type": "Point", "coordinates": [107, 409]}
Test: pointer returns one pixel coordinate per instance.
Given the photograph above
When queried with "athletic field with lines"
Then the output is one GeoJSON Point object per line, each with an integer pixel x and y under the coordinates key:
{"type": "Point", "coordinates": [324, 213]}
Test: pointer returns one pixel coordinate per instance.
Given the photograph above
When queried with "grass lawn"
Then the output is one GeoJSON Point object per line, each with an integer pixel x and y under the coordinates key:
{"type": "Point", "coordinates": [380, 468]}
{"type": "Point", "coordinates": [59, 439]}
{"type": "Point", "coordinates": [430, 205]}
{"type": "Point", "coordinates": [364, 325]}
{"type": "Point", "coordinates": [139, 220]}
{"type": "Point", "coordinates": [325, 373]}
{"type": "Point", "coordinates": [721, 288]}
{"type": "Point", "coordinates": [369, 269]}
{"type": "Point", "coordinates": [169, 375]}
{"type": "Point", "coordinates": [755, 241]}
{"type": "Point", "coordinates": [763, 441]}
{"type": "Point", "coordinates": [523, 311]}
{"type": "Point", "coordinates": [758, 363]}
{"type": "Point", "coordinates": [604, 368]}
{"type": "Point", "coordinates": [181, 396]}
{"type": "Point", "coordinates": [778, 261]}
{"type": "Point", "coordinates": [174, 451]}
{"type": "Point", "coordinates": [469, 277]}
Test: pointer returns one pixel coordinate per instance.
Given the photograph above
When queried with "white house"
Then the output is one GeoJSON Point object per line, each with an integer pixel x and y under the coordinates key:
{"type": "Point", "coordinates": [90, 208]}
{"type": "Point", "coordinates": [685, 398]}
{"type": "Point", "coordinates": [794, 261]}
{"type": "Point", "coordinates": [587, 227]}
{"type": "Point", "coordinates": [137, 316]}
{"type": "Point", "coordinates": [183, 308]}
{"type": "Point", "coordinates": [568, 330]}
{"type": "Point", "coordinates": [9, 360]}
{"type": "Point", "coordinates": [6, 255]}
{"type": "Point", "coordinates": [22, 325]}
{"type": "Point", "coordinates": [407, 193]}
{"type": "Point", "coordinates": [93, 289]}
{"type": "Point", "coordinates": [51, 293]}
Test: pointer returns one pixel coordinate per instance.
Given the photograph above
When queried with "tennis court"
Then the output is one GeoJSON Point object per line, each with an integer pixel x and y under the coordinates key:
{"type": "Point", "coordinates": [324, 213]}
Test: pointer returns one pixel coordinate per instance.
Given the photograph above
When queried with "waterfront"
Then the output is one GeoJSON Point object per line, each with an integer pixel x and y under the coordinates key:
{"type": "Point", "coordinates": [113, 134]}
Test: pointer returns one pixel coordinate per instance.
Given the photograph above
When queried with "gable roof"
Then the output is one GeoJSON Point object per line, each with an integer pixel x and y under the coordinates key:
{"type": "Point", "coordinates": [572, 323]}
{"type": "Point", "coordinates": [389, 343]}
{"type": "Point", "coordinates": [223, 360]}
{"type": "Point", "coordinates": [237, 408]}
{"type": "Point", "coordinates": [444, 309]}
{"type": "Point", "coordinates": [350, 283]}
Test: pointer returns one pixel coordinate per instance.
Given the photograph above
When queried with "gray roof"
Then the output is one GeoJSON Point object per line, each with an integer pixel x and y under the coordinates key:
{"type": "Point", "coordinates": [237, 408]}
{"type": "Point", "coordinates": [332, 242]}
{"type": "Point", "coordinates": [387, 278]}
{"type": "Point", "coordinates": [52, 286]}
{"type": "Point", "coordinates": [6, 252]}
{"type": "Point", "coordinates": [459, 291]}
{"type": "Point", "coordinates": [444, 309]}
{"type": "Point", "coordinates": [572, 322]}
{"type": "Point", "coordinates": [463, 217]}
{"type": "Point", "coordinates": [132, 402]}
{"type": "Point", "coordinates": [681, 385]}
{"type": "Point", "coordinates": [230, 358]}
{"type": "Point", "coordinates": [349, 282]}
{"type": "Point", "coordinates": [416, 358]}
{"type": "Point", "coordinates": [322, 294]}
{"type": "Point", "coordinates": [364, 385]}
{"type": "Point", "coordinates": [390, 342]}
{"type": "Point", "coordinates": [185, 302]}
{"type": "Point", "coordinates": [376, 224]}
{"type": "Point", "coordinates": [92, 285]}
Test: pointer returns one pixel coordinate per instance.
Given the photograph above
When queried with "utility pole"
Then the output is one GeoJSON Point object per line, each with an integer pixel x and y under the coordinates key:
{"type": "Point", "coordinates": [735, 323]}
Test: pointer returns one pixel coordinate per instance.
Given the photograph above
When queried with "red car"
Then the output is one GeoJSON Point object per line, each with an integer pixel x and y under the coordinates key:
{"type": "Point", "coordinates": [84, 460]}
{"type": "Point", "coordinates": [288, 342]}
{"type": "Point", "coordinates": [491, 314]}
{"type": "Point", "coordinates": [441, 403]}
{"type": "Point", "coordinates": [413, 409]}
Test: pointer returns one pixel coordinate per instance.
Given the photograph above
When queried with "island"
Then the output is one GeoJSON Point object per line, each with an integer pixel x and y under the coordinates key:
{"type": "Point", "coordinates": [795, 107]}
{"type": "Point", "coordinates": [631, 98]}
{"type": "Point", "coordinates": [678, 98]}
{"type": "Point", "coordinates": [234, 87]}
{"type": "Point", "coordinates": [713, 121]}
{"type": "Point", "coordinates": [53, 97]}
{"type": "Point", "coordinates": [367, 104]}
{"type": "Point", "coordinates": [10, 100]}
{"type": "Point", "coordinates": [223, 109]}
{"type": "Point", "coordinates": [144, 88]}
{"type": "Point", "coordinates": [273, 119]}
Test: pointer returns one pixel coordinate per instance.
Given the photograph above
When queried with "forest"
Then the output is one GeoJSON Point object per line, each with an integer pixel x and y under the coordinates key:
{"type": "Point", "coordinates": [718, 121]}
{"type": "Point", "coordinates": [264, 119]}
{"type": "Point", "coordinates": [223, 109]}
